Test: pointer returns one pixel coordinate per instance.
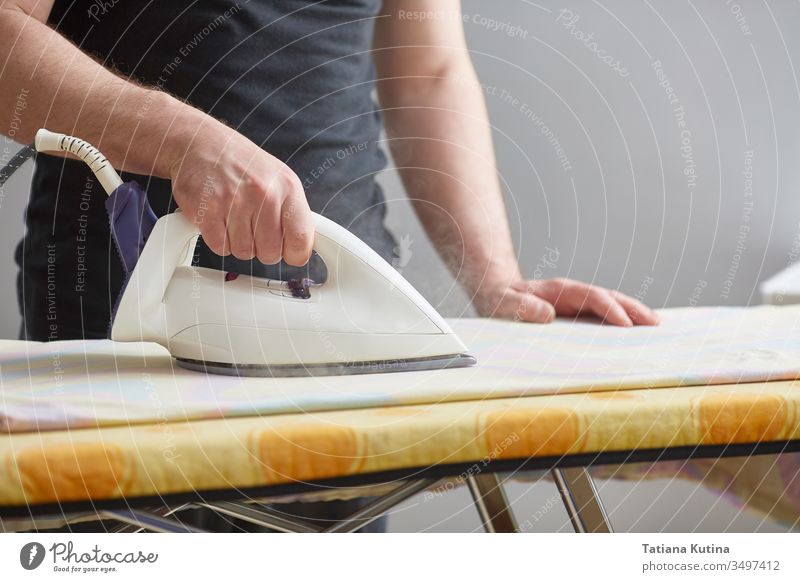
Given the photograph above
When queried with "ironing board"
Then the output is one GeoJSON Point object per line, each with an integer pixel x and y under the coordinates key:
{"type": "Point", "coordinates": [141, 473]}
{"type": "Point", "coordinates": [208, 461]}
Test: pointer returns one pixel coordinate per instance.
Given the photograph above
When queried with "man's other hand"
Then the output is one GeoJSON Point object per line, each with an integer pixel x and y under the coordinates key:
{"type": "Point", "coordinates": [541, 301]}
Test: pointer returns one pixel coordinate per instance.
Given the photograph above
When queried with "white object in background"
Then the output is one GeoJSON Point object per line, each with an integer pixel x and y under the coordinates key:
{"type": "Point", "coordinates": [783, 288]}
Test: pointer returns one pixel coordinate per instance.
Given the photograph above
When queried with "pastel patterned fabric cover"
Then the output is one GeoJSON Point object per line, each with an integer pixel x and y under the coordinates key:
{"type": "Point", "coordinates": [101, 383]}
{"type": "Point", "coordinates": [508, 407]}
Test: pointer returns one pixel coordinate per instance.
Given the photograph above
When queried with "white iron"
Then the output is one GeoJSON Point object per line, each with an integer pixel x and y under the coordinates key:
{"type": "Point", "coordinates": [365, 318]}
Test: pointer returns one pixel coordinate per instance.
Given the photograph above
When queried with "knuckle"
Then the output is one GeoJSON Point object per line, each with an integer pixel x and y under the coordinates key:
{"type": "Point", "coordinates": [270, 248]}
{"type": "Point", "coordinates": [531, 287]}
{"type": "Point", "coordinates": [272, 251]}
{"type": "Point", "coordinates": [300, 240]}
{"type": "Point", "coordinates": [251, 181]}
{"type": "Point", "coordinates": [597, 295]}
{"type": "Point", "coordinates": [295, 210]}
{"type": "Point", "coordinates": [265, 222]}
{"type": "Point", "coordinates": [290, 182]}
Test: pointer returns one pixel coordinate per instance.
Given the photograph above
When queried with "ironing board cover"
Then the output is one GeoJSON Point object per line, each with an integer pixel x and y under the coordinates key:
{"type": "Point", "coordinates": [72, 384]}
{"type": "Point", "coordinates": [163, 458]}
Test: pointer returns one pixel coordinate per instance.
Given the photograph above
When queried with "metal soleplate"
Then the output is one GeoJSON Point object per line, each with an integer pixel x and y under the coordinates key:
{"type": "Point", "coordinates": [299, 370]}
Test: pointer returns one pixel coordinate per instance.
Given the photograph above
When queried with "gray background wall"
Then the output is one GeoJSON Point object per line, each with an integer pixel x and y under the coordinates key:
{"type": "Point", "coordinates": [617, 204]}
{"type": "Point", "coordinates": [623, 215]}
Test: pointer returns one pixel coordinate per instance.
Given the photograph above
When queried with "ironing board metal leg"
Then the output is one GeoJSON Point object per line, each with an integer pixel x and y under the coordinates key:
{"type": "Point", "coordinates": [261, 516]}
{"type": "Point", "coordinates": [581, 500]}
{"type": "Point", "coordinates": [148, 521]}
{"type": "Point", "coordinates": [492, 504]}
{"type": "Point", "coordinates": [159, 511]}
{"type": "Point", "coordinates": [381, 505]}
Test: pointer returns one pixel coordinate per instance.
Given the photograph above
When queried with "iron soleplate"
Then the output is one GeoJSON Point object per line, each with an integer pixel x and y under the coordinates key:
{"type": "Point", "coordinates": [353, 368]}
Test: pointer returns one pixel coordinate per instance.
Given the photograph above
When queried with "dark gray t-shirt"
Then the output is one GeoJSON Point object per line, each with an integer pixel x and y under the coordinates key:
{"type": "Point", "coordinates": [294, 76]}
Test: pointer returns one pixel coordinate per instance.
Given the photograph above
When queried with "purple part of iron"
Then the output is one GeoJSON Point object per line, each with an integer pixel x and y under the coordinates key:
{"type": "Point", "coordinates": [231, 276]}
{"type": "Point", "coordinates": [300, 287]}
{"type": "Point", "coordinates": [131, 220]}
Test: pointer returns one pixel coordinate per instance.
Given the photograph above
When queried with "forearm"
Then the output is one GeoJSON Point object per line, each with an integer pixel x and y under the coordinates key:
{"type": "Point", "coordinates": [46, 81]}
{"type": "Point", "coordinates": [440, 138]}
